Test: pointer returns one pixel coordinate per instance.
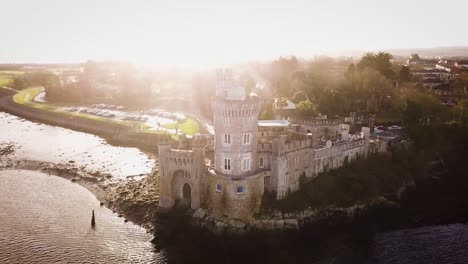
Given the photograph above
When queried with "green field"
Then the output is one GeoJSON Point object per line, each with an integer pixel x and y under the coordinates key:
{"type": "Point", "coordinates": [6, 77]}
{"type": "Point", "coordinates": [26, 97]}
{"type": "Point", "coordinates": [5, 80]}
{"type": "Point", "coordinates": [189, 126]}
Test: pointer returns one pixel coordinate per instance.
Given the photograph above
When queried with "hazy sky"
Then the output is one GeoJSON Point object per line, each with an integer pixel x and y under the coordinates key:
{"type": "Point", "coordinates": [208, 32]}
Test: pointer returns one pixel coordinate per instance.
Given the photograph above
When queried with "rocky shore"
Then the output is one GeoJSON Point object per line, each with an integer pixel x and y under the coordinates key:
{"type": "Point", "coordinates": [135, 198]}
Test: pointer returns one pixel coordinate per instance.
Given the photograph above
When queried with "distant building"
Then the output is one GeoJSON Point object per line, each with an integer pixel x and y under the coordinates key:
{"type": "Point", "coordinates": [462, 64]}
{"type": "Point", "coordinates": [283, 108]}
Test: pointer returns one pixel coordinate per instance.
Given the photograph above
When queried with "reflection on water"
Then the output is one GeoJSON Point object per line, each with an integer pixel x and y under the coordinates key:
{"type": "Point", "coordinates": [432, 244]}
{"type": "Point", "coordinates": [46, 219]}
{"type": "Point", "coordinates": [59, 145]}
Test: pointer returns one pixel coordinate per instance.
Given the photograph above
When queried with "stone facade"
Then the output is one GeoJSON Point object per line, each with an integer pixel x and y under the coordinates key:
{"type": "Point", "coordinates": [224, 200]}
{"type": "Point", "coordinates": [250, 159]}
{"type": "Point", "coordinates": [179, 169]}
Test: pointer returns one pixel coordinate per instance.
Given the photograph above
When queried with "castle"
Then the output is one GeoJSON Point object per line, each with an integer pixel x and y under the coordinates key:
{"type": "Point", "coordinates": [251, 157]}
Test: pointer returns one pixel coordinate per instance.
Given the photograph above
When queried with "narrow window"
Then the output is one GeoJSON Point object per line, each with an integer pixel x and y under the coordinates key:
{"type": "Point", "coordinates": [246, 138]}
{"type": "Point", "coordinates": [246, 164]}
{"type": "Point", "coordinates": [227, 164]}
{"type": "Point", "coordinates": [240, 190]}
{"type": "Point", "coordinates": [261, 165]}
{"type": "Point", "coordinates": [218, 187]}
{"type": "Point", "coordinates": [227, 139]}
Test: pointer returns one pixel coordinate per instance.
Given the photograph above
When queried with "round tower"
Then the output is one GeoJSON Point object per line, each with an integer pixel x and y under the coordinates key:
{"type": "Point", "coordinates": [236, 126]}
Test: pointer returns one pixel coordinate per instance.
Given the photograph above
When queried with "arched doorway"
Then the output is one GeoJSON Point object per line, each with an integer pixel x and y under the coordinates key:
{"type": "Point", "coordinates": [187, 195]}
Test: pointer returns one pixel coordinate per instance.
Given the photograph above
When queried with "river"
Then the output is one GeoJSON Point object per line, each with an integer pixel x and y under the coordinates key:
{"type": "Point", "coordinates": [46, 219]}
{"type": "Point", "coordinates": [59, 145]}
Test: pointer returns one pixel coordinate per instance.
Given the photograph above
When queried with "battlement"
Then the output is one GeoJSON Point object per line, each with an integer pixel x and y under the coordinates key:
{"type": "Point", "coordinates": [319, 122]}
{"type": "Point", "coordinates": [295, 145]}
{"type": "Point", "coordinates": [338, 147]}
{"type": "Point", "coordinates": [236, 109]}
{"type": "Point", "coordinates": [283, 145]}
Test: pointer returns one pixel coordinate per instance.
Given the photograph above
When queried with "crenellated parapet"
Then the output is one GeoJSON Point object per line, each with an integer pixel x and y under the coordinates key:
{"type": "Point", "coordinates": [236, 137]}
{"type": "Point", "coordinates": [333, 155]}
{"type": "Point", "coordinates": [318, 122]}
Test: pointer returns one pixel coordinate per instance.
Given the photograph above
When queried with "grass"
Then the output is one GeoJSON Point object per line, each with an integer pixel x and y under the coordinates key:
{"type": "Point", "coordinates": [6, 77]}
{"type": "Point", "coordinates": [5, 80]}
{"type": "Point", "coordinates": [11, 73]}
{"type": "Point", "coordinates": [190, 126]}
{"type": "Point", "coordinates": [26, 97]}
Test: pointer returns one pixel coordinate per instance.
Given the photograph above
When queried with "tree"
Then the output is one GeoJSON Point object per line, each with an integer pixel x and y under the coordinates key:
{"type": "Point", "coordinates": [306, 109]}
{"type": "Point", "coordinates": [405, 74]}
{"type": "Point", "coordinates": [415, 57]}
{"type": "Point", "coordinates": [19, 82]}
{"type": "Point", "coordinates": [350, 72]}
{"type": "Point", "coordinates": [281, 73]}
{"type": "Point", "coordinates": [53, 87]}
{"type": "Point", "coordinates": [247, 82]}
{"type": "Point", "coordinates": [380, 62]}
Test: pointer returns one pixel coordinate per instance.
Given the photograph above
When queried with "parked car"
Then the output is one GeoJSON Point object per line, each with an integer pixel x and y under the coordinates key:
{"type": "Point", "coordinates": [394, 127]}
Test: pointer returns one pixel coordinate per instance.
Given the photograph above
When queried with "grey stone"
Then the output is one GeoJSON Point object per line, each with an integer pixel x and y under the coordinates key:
{"type": "Point", "coordinates": [199, 214]}
{"type": "Point", "coordinates": [291, 224]}
{"type": "Point", "coordinates": [236, 224]}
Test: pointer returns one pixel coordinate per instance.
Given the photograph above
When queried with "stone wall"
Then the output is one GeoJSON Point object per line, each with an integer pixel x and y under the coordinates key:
{"type": "Point", "coordinates": [335, 155]}
{"type": "Point", "coordinates": [235, 118]}
{"type": "Point", "coordinates": [180, 167]}
{"type": "Point", "coordinates": [227, 202]}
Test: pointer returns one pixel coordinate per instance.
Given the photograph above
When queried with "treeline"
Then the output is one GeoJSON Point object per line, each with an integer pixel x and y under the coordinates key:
{"type": "Point", "coordinates": [376, 83]}
{"type": "Point", "coordinates": [117, 83]}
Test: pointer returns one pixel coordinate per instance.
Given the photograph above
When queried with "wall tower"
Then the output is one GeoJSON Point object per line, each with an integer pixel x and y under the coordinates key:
{"type": "Point", "coordinates": [236, 128]}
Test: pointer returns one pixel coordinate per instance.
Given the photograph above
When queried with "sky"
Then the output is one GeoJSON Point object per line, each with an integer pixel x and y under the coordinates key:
{"type": "Point", "coordinates": [217, 32]}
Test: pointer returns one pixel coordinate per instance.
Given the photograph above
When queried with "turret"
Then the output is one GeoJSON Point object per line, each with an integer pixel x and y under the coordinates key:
{"type": "Point", "coordinates": [236, 128]}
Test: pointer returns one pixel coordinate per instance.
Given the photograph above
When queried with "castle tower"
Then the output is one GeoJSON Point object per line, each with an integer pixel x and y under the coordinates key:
{"type": "Point", "coordinates": [236, 127]}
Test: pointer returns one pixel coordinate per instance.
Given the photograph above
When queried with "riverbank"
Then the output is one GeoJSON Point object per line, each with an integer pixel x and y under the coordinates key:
{"type": "Point", "coordinates": [134, 197]}
{"type": "Point", "coordinates": [115, 133]}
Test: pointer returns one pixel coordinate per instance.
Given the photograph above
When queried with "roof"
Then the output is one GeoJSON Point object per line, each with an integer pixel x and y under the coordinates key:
{"type": "Point", "coordinates": [273, 123]}
{"type": "Point", "coordinates": [288, 105]}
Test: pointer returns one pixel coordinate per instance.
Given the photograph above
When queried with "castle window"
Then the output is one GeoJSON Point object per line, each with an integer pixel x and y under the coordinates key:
{"type": "Point", "coordinates": [246, 139]}
{"type": "Point", "coordinates": [240, 190]}
{"type": "Point", "coordinates": [227, 139]}
{"type": "Point", "coordinates": [227, 164]}
{"type": "Point", "coordinates": [246, 164]}
{"type": "Point", "coordinates": [218, 187]}
{"type": "Point", "coordinates": [261, 164]}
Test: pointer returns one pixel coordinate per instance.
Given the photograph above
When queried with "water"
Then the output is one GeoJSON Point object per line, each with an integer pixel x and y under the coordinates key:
{"type": "Point", "coordinates": [433, 244]}
{"type": "Point", "coordinates": [60, 145]}
{"type": "Point", "coordinates": [46, 219]}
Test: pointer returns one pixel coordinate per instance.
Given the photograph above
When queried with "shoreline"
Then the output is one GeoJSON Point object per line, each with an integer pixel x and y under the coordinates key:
{"type": "Point", "coordinates": [137, 200]}
{"type": "Point", "coordinates": [139, 210]}
{"type": "Point", "coordinates": [114, 134]}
